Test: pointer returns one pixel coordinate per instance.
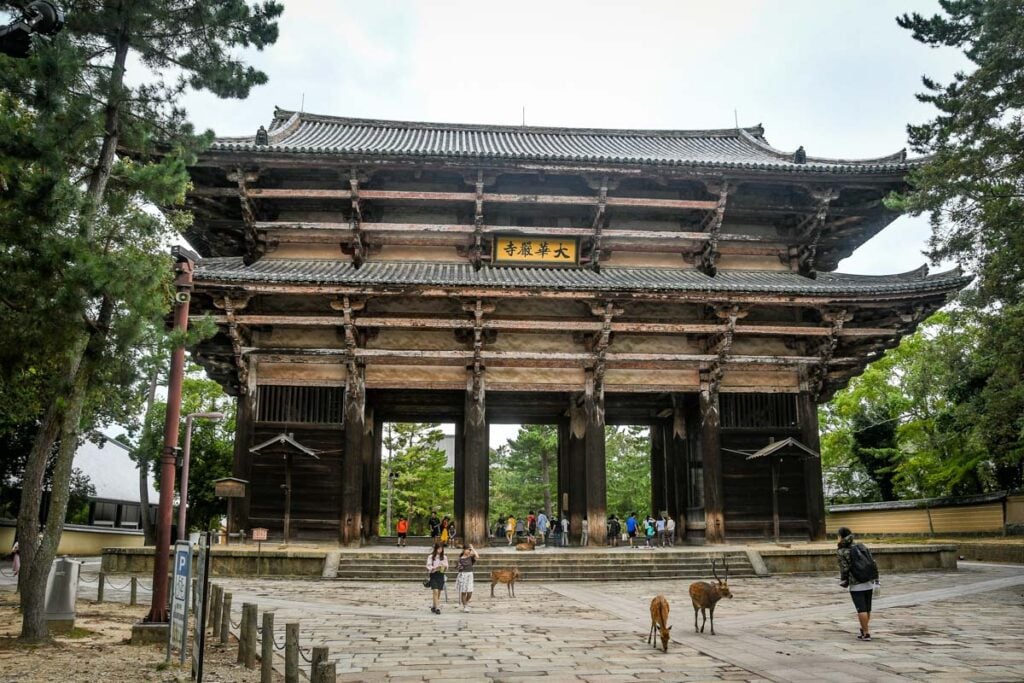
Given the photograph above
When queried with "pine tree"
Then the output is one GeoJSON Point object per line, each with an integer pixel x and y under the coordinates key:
{"type": "Point", "coordinates": [85, 153]}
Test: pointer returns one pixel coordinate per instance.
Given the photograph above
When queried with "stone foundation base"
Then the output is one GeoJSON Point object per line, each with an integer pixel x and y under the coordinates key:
{"type": "Point", "coordinates": [149, 634]}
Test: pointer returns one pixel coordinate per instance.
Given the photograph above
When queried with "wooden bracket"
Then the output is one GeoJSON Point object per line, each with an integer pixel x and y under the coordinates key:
{"type": "Point", "coordinates": [475, 387]}
{"type": "Point", "coordinates": [597, 225]}
{"type": "Point", "coordinates": [477, 251]}
{"type": "Point", "coordinates": [357, 245]}
{"type": "Point", "coordinates": [230, 305]}
{"type": "Point", "coordinates": [255, 245]}
{"type": "Point", "coordinates": [712, 225]}
{"type": "Point", "coordinates": [810, 229]}
{"type": "Point", "coordinates": [710, 381]}
{"type": "Point", "coordinates": [601, 341]}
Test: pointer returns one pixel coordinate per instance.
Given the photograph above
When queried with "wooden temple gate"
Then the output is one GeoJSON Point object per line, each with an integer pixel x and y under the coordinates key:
{"type": "Point", "coordinates": [369, 271]}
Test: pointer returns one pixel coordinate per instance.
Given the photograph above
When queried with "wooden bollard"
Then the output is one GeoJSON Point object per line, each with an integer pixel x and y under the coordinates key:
{"type": "Point", "coordinates": [134, 595]}
{"type": "Point", "coordinates": [247, 654]}
{"type": "Point", "coordinates": [267, 649]}
{"type": "Point", "coordinates": [316, 658]}
{"type": "Point", "coordinates": [291, 653]}
{"type": "Point", "coordinates": [325, 672]}
{"type": "Point", "coordinates": [216, 594]}
{"type": "Point", "coordinates": [225, 619]}
{"type": "Point", "coordinates": [99, 587]}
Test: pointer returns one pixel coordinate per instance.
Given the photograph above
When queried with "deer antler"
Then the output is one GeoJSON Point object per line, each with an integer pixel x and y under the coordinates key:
{"type": "Point", "coordinates": [713, 572]}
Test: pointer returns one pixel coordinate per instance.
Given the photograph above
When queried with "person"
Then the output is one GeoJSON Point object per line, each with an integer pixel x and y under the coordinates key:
{"type": "Point", "coordinates": [437, 565]}
{"type": "Point", "coordinates": [464, 581]}
{"type": "Point", "coordinates": [859, 573]}
{"type": "Point", "coordinates": [510, 528]}
{"type": "Point", "coordinates": [542, 527]}
{"type": "Point", "coordinates": [531, 525]}
{"type": "Point", "coordinates": [435, 526]}
{"type": "Point", "coordinates": [670, 530]}
{"type": "Point", "coordinates": [586, 533]}
{"type": "Point", "coordinates": [444, 531]}
{"type": "Point", "coordinates": [451, 533]}
{"type": "Point", "coordinates": [614, 531]}
{"type": "Point", "coordinates": [660, 528]}
{"type": "Point", "coordinates": [649, 531]}
{"type": "Point", "coordinates": [631, 529]}
{"type": "Point", "coordinates": [16, 557]}
{"type": "Point", "coordinates": [403, 530]}
{"type": "Point", "coordinates": [565, 530]}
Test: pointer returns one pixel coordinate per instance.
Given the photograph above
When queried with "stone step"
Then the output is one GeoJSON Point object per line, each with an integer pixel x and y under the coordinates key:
{"type": "Point", "coordinates": [553, 575]}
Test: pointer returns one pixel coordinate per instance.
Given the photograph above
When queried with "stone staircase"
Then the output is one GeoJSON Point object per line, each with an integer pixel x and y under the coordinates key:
{"type": "Point", "coordinates": [555, 565]}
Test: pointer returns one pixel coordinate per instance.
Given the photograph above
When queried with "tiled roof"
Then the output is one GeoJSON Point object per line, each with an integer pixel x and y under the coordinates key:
{"type": "Point", "coordinates": [391, 273]}
{"type": "Point", "coordinates": [736, 148]}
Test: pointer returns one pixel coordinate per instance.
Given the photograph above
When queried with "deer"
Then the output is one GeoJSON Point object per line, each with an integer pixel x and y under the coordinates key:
{"type": "Point", "coordinates": [530, 544]}
{"type": "Point", "coordinates": [507, 577]}
{"type": "Point", "coordinates": [706, 595]}
{"type": "Point", "coordinates": [659, 620]}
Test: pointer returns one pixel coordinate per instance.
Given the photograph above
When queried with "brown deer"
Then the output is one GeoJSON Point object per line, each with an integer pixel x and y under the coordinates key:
{"type": "Point", "coordinates": [507, 577]}
{"type": "Point", "coordinates": [530, 544]}
{"type": "Point", "coordinates": [706, 595]}
{"type": "Point", "coordinates": [659, 620]}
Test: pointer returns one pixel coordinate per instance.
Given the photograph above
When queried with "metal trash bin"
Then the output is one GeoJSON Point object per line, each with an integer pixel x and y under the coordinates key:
{"type": "Point", "coordinates": [61, 594]}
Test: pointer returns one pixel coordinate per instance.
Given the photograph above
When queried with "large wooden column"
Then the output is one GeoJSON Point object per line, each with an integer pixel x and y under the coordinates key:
{"type": "Point", "coordinates": [245, 419]}
{"type": "Point", "coordinates": [460, 474]}
{"type": "Point", "coordinates": [659, 465]}
{"type": "Point", "coordinates": [711, 454]}
{"type": "Point", "coordinates": [597, 484]}
{"type": "Point", "coordinates": [476, 463]}
{"type": "Point", "coordinates": [807, 409]}
{"type": "Point", "coordinates": [351, 508]}
{"type": "Point", "coordinates": [371, 475]}
{"type": "Point", "coordinates": [678, 450]}
{"type": "Point", "coordinates": [577, 454]}
{"type": "Point", "coordinates": [563, 469]}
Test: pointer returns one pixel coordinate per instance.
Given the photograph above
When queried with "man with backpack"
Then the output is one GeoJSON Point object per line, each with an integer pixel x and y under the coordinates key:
{"type": "Point", "coordinates": [859, 573]}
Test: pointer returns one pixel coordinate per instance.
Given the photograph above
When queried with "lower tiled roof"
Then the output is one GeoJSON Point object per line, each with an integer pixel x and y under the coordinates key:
{"type": "Point", "coordinates": [392, 274]}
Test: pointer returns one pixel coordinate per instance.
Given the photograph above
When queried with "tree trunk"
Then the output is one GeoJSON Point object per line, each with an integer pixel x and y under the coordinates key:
{"type": "Point", "coordinates": [545, 476]}
{"type": "Point", "coordinates": [148, 531]}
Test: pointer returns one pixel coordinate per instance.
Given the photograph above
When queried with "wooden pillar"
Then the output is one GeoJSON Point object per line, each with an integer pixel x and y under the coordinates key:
{"type": "Point", "coordinates": [711, 453]}
{"type": "Point", "coordinates": [597, 484]}
{"type": "Point", "coordinates": [242, 464]}
{"type": "Point", "coordinates": [807, 408]}
{"type": "Point", "coordinates": [577, 453]}
{"type": "Point", "coordinates": [351, 509]}
{"type": "Point", "coordinates": [371, 475]}
{"type": "Point", "coordinates": [476, 463]}
{"type": "Point", "coordinates": [659, 483]}
{"type": "Point", "coordinates": [678, 450]}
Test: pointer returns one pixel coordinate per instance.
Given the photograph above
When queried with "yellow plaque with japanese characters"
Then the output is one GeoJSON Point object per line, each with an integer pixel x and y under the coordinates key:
{"type": "Point", "coordinates": [536, 250]}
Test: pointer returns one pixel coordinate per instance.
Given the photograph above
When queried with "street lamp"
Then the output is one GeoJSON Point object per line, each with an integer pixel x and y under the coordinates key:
{"type": "Point", "coordinates": [184, 466]}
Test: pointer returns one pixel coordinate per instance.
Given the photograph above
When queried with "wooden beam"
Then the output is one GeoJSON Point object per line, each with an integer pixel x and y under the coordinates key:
{"type": "Point", "coordinates": [713, 227]}
{"type": "Point", "coordinates": [554, 325]}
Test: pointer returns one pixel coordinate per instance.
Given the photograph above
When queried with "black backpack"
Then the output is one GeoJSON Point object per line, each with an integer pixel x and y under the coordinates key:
{"type": "Point", "coordinates": [862, 565]}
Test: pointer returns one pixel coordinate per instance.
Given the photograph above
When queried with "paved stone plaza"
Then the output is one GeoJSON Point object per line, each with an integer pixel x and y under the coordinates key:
{"type": "Point", "coordinates": [950, 626]}
{"type": "Point", "coordinates": [966, 625]}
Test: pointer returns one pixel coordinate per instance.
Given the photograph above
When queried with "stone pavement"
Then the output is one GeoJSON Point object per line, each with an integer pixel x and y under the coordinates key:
{"type": "Point", "coordinates": [938, 626]}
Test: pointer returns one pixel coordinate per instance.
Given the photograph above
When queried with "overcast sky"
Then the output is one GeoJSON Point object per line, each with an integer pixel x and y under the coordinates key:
{"type": "Point", "coordinates": [837, 77]}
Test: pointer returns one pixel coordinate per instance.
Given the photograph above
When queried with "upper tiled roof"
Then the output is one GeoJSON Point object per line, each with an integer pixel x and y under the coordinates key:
{"type": "Point", "coordinates": [736, 148]}
{"type": "Point", "coordinates": [391, 273]}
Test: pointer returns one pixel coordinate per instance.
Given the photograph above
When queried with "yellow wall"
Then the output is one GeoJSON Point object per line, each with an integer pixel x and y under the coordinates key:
{"type": "Point", "coordinates": [1015, 509]}
{"type": "Point", "coordinates": [963, 519]}
{"type": "Point", "coordinates": [79, 541]}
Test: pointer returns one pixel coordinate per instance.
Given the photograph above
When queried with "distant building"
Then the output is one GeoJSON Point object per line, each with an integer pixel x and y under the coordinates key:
{"type": "Point", "coordinates": [115, 477]}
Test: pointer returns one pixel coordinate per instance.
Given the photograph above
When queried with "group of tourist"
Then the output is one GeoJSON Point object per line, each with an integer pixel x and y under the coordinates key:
{"type": "Point", "coordinates": [437, 568]}
{"type": "Point", "coordinates": [651, 532]}
{"type": "Point", "coordinates": [535, 527]}
{"type": "Point", "coordinates": [442, 530]}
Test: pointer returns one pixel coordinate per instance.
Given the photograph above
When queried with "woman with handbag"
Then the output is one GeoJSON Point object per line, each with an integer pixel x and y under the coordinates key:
{"type": "Point", "coordinates": [437, 564]}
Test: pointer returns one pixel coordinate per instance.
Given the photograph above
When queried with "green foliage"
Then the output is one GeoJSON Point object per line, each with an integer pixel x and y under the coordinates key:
{"type": "Point", "coordinates": [628, 469]}
{"type": "Point", "coordinates": [972, 189]}
{"type": "Point", "coordinates": [524, 473]}
{"type": "Point", "coordinates": [422, 482]}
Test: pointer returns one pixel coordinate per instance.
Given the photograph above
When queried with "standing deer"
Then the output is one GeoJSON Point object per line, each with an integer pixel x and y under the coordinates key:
{"type": "Point", "coordinates": [659, 620]}
{"type": "Point", "coordinates": [706, 595]}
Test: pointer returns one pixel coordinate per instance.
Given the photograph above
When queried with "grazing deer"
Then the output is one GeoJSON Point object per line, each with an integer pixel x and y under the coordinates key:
{"type": "Point", "coordinates": [706, 595]}
{"type": "Point", "coordinates": [530, 544]}
{"type": "Point", "coordinates": [659, 620]}
{"type": "Point", "coordinates": [507, 577]}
